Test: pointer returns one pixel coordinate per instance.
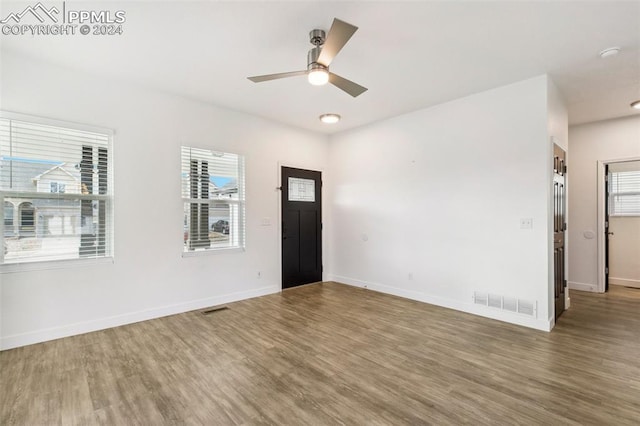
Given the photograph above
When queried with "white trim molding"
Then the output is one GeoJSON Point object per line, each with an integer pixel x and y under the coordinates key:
{"type": "Point", "coordinates": [582, 286]}
{"type": "Point", "coordinates": [483, 311]}
{"type": "Point", "coordinates": [43, 335]}
{"type": "Point", "coordinates": [624, 282]}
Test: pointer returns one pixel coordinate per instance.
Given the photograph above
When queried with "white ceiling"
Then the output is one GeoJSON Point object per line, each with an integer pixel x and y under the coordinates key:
{"type": "Point", "coordinates": [410, 55]}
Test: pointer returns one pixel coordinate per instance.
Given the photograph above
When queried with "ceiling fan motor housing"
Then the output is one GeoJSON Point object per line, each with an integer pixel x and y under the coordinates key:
{"type": "Point", "coordinates": [312, 59]}
{"type": "Point", "coordinates": [317, 37]}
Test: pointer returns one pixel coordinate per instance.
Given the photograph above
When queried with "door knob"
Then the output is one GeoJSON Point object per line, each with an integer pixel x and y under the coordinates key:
{"type": "Point", "coordinates": [610, 233]}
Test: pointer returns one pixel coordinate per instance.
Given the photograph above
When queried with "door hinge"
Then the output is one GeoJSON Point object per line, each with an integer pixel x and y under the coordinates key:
{"type": "Point", "coordinates": [565, 284]}
{"type": "Point", "coordinates": [564, 226]}
{"type": "Point", "coordinates": [606, 271]}
{"type": "Point", "coordinates": [606, 224]}
{"type": "Point", "coordinates": [322, 226]}
{"type": "Point", "coordinates": [564, 170]}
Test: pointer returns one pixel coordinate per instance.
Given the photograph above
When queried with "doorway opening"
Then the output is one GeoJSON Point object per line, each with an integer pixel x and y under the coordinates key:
{"type": "Point", "coordinates": [618, 223]}
{"type": "Point", "coordinates": [559, 229]}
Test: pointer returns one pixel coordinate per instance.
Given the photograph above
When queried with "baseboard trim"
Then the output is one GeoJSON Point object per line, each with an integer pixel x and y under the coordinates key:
{"type": "Point", "coordinates": [582, 286]}
{"type": "Point", "coordinates": [44, 335]}
{"type": "Point", "coordinates": [625, 282]}
{"type": "Point", "coordinates": [483, 311]}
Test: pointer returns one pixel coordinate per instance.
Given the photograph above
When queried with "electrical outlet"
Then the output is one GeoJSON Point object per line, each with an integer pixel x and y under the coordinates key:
{"type": "Point", "coordinates": [526, 223]}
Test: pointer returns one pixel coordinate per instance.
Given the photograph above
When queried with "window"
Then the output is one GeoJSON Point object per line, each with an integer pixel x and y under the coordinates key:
{"type": "Point", "coordinates": [624, 189]}
{"type": "Point", "coordinates": [57, 187]}
{"type": "Point", "coordinates": [55, 184]}
{"type": "Point", "coordinates": [302, 190]}
{"type": "Point", "coordinates": [9, 210]}
{"type": "Point", "coordinates": [213, 199]}
{"type": "Point", "coordinates": [27, 221]}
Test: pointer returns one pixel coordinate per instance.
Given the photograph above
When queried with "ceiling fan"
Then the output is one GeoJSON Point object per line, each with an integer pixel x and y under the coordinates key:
{"type": "Point", "coordinates": [326, 48]}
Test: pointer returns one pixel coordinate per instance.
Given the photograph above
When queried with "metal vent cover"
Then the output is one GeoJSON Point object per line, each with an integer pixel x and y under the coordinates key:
{"type": "Point", "coordinates": [494, 301]}
{"type": "Point", "coordinates": [214, 309]}
{"type": "Point", "coordinates": [511, 304]}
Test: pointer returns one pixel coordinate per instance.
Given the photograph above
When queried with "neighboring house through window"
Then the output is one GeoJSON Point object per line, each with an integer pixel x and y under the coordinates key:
{"type": "Point", "coordinates": [9, 211]}
{"type": "Point", "coordinates": [55, 184]}
{"type": "Point", "coordinates": [213, 199]}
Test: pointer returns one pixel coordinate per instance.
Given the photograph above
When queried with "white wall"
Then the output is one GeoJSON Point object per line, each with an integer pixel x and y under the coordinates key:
{"type": "Point", "coordinates": [624, 251]}
{"type": "Point", "coordinates": [427, 205]}
{"type": "Point", "coordinates": [605, 141]}
{"type": "Point", "coordinates": [149, 277]}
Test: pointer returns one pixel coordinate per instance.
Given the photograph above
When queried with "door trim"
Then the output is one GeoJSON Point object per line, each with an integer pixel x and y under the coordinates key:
{"type": "Point", "coordinates": [600, 288]}
{"type": "Point", "coordinates": [278, 189]}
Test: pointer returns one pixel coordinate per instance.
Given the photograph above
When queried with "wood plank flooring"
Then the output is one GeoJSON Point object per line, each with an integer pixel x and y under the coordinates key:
{"type": "Point", "coordinates": [333, 354]}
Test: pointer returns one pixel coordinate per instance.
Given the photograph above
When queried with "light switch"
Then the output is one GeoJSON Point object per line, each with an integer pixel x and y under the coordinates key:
{"type": "Point", "coordinates": [266, 221]}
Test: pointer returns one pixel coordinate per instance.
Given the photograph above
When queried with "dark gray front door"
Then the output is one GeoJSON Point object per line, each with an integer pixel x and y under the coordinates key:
{"type": "Point", "coordinates": [301, 227]}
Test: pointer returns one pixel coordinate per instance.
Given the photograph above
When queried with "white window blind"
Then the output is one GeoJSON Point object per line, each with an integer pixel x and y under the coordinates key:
{"type": "Point", "coordinates": [55, 186]}
{"type": "Point", "coordinates": [213, 199]}
{"type": "Point", "coordinates": [624, 190]}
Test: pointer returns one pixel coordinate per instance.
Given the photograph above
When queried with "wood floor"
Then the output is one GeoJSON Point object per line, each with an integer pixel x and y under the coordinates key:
{"type": "Point", "coordinates": [334, 354]}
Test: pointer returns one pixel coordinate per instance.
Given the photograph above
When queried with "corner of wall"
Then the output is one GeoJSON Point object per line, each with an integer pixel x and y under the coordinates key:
{"type": "Point", "coordinates": [541, 324]}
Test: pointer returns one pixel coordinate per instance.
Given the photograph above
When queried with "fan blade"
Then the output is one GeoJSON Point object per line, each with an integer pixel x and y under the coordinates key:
{"type": "Point", "coordinates": [261, 78]}
{"type": "Point", "coordinates": [348, 86]}
{"type": "Point", "coordinates": [338, 36]}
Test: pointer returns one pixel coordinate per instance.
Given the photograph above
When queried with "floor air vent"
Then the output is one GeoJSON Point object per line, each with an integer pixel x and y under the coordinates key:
{"type": "Point", "coordinates": [520, 306]}
{"type": "Point", "coordinates": [213, 310]}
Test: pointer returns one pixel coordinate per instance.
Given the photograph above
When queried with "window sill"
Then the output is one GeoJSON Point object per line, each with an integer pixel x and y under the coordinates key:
{"type": "Point", "coordinates": [52, 264]}
{"type": "Point", "coordinates": [213, 252]}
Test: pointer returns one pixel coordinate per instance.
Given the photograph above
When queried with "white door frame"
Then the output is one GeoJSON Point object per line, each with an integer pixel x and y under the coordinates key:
{"type": "Point", "coordinates": [601, 206]}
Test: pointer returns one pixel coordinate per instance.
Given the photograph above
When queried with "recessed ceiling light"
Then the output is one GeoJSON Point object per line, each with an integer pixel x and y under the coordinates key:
{"type": "Point", "coordinates": [636, 104]}
{"type": "Point", "coordinates": [612, 51]}
{"type": "Point", "coordinates": [329, 118]}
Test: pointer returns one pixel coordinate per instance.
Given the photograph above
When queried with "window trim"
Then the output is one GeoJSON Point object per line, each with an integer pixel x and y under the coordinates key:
{"type": "Point", "coordinates": [57, 123]}
{"type": "Point", "coordinates": [47, 265]}
{"type": "Point", "coordinates": [37, 265]}
{"type": "Point", "coordinates": [213, 251]}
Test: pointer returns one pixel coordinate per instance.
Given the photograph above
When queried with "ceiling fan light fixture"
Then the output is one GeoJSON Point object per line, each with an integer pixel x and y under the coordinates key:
{"type": "Point", "coordinates": [318, 76]}
{"type": "Point", "coordinates": [636, 104]}
{"type": "Point", "coordinates": [326, 47]}
{"type": "Point", "coordinates": [330, 118]}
